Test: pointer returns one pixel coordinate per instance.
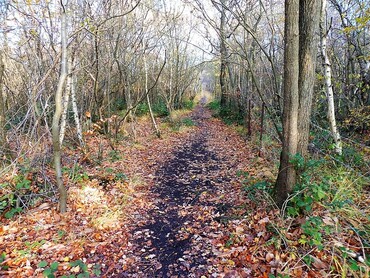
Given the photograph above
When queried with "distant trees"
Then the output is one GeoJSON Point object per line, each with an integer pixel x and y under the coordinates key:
{"type": "Point", "coordinates": [354, 21]}
{"type": "Point", "coordinates": [128, 56]}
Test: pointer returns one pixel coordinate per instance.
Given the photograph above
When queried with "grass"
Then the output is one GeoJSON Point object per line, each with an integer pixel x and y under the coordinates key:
{"type": "Point", "coordinates": [178, 121]}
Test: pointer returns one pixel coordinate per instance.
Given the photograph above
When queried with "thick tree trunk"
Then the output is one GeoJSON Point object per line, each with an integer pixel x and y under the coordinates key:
{"type": "Point", "coordinates": [58, 113]}
{"type": "Point", "coordinates": [309, 18]}
{"type": "Point", "coordinates": [287, 173]}
{"type": "Point", "coordinates": [328, 84]}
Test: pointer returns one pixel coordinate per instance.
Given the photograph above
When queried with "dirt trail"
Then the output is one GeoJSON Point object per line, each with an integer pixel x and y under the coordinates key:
{"type": "Point", "coordinates": [168, 242]}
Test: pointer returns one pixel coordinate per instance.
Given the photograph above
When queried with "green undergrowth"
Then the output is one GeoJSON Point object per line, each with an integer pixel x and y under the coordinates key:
{"type": "Point", "coordinates": [214, 106]}
{"type": "Point", "coordinates": [50, 271]}
{"type": "Point", "coordinates": [179, 124]}
{"type": "Point", "coordinates": [330, 207]}
{"type": "Point", "coordinates": [159, 109]}
{"type": "Point", "coordinates": [230, 115]}
{"type": "Point", "coordinates": [178, 120]}
{"type": "Point", "coordinates": [26, 188]}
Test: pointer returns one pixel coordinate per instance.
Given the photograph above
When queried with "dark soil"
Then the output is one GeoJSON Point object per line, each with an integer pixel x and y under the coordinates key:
{"type": "Point", "coordinates": [168, 243]}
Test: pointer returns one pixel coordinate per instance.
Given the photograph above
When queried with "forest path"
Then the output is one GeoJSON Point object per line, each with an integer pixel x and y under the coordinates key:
{"type": "Point", "coordinates": [157, 207]}
{"type": "Point", "coordinates": [173, 238]}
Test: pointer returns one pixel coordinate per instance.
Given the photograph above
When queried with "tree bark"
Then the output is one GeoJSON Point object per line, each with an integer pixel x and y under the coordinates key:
{"type": "Point", "coordinates": [3, 141]}
{"type": "Point", "coordinates": [260, 152]}
{"type": "Point", "coordinates": [328, 84]}
{"type": "Point", "coordinates": [157, 131]}
{"type": "Point", "coordinates": [309, 18]}
{"type": "Point", "coordinates": [63, 121]}
{"type": "Point", "coordinates": [223, 57]}
{"type": "Point", "coordinates": [249, 123]}
{"type": "Point", "coordinates": [287, 173]}
{"type": "Point", "coordinates": [75, 109]}
{"type": "Point", "coordinates": [58, 112]}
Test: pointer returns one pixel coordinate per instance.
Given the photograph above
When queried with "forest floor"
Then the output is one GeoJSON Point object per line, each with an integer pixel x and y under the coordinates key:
{"type": "Point", "coordinates": [168, 207]}
{"type": "Point", "coordinates": [153, 208]}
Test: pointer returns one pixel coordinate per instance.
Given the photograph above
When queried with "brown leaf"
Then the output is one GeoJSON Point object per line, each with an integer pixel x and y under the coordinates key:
{"type": "Point", "coordinates": [319, 264]}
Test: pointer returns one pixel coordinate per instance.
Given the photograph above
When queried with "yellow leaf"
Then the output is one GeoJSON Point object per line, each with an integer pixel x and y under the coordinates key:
{"type": "Point", "coordinates": [230, 262]}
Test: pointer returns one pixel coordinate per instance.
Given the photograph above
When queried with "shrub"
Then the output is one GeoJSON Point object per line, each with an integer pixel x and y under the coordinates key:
{"type": "Point", "coordinates": [231, 115]}
{"type": "Point", "coordinates": [142, 109]}
{"type": "Point", "coordinates": [188, 104]}
{"type": "Point", "coordinates": [160, 109]}
{"type": "Point", "coordinates": [214, 106]}
{"type": "Point", "coordinates": [188, 122]}
{"type": "Point", "coordinates": [119, 104]}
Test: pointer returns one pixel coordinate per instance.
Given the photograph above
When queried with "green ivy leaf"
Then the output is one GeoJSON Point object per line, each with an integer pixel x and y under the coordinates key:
{"type": "Point", "coordinates": [320, 193]}
{"type": "Point", "coordinates": [48, 273]}
{"type": "Point", "coordinates": [354, 266]}
{"type": "Point", "coordinates": [76, 263]}
{"type": "Point", "coordinates": [42, 264]}
{"type": "Point", "coordinates": [54, 265]}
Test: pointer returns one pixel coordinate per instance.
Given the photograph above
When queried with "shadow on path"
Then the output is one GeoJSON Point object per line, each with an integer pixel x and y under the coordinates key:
{"type": "Point", "coordinates": [163, 243]}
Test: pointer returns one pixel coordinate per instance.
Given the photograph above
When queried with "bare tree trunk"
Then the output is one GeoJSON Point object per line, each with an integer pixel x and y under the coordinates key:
{"type": "Point", "coordinates": [58, 112]}
{"type": "Point", "coordinates": [96, 79]}
{"type": "Point", "coordinates": [223, 55]}
{"type": "Point", "coordinates": [3, 141]}
{"type": "Point", "coordinates": [63, 121]}
{"type": "Point", "coordinates": [170, 98]}
{"type": "Point", "coordinates": [157, 131]}
{"type": "Point", "coordinates": [130, 107]}
{"type": "Point", "coordinates": [261, 130]}
{"type": "Point", "coordinates": [249, 123]}
{"type": "Point", "coordinates": [328, 84]}
{"type": "Point", "coordinates": [75, 109]}
{"type": "Point", "coordinates": [309, 17]}
{"type": "Point", "coordinates": [287, 173]}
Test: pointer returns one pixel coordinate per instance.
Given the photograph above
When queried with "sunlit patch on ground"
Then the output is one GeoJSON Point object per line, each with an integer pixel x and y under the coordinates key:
{"type": "Point", "coordinates": [108, 219]}
{"type": "Point", "coordinates": [90, 195]}
{"type": "Point", "coordinates": [96, 204]}
{"type": "Point", "coordinates": [87, 197]}
{"type": "Point", "coordinates": [204, 97]}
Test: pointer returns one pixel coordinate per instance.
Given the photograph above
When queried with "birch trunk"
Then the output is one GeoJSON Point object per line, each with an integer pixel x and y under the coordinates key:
{"type": "Point", "coordinates": [328, 84]}
{"type": "Point", "coordinates": [75, 109]}
{"type": "Point", "coordinates": [63, 121]}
